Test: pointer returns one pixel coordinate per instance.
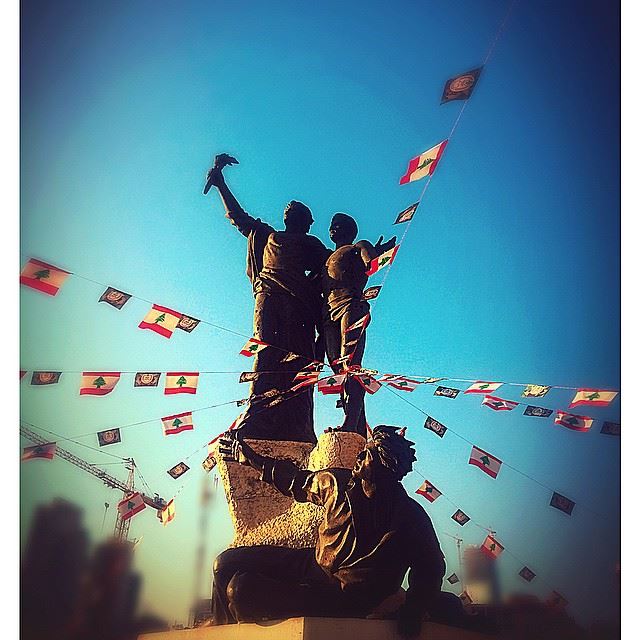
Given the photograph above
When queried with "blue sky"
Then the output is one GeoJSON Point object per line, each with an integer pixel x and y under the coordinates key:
{"type": "Point", "coordinates": [510, 270]}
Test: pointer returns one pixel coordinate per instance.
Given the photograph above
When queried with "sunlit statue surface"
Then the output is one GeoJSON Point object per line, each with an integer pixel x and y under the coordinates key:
{"type": "Point", "coordinates": [372, 532]}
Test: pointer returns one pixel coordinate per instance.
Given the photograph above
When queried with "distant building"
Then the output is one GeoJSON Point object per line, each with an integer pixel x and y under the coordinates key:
{"type": "Point", "coordinates": [52, 571]}
{"type": "Point", "coordinates": [480, 576]}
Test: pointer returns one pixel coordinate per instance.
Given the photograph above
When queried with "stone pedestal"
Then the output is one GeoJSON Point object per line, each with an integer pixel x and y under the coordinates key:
{"type": "Point", "coordinates": [260, 514]}
{"type": "Point", "coordinates": [314, 629]}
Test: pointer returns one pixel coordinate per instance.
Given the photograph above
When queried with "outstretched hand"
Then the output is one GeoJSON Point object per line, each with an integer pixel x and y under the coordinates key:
{"type": "Point", "coordinates": [233, 449]}
{"type": "Point", "coordinates": [214, 175]}
{"type": "Point", "coordinates": [381, 246]}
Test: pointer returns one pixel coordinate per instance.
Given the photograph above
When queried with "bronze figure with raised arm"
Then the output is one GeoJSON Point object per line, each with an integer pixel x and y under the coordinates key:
{"type": "Point", "coordinates": [371, 534]}
{"type": "Point", "coordinates": [286, 312]}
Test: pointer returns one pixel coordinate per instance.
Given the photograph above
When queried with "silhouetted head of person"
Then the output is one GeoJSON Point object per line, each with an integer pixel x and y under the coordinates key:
{"type": "Point", "coordinates": [343, 229]}
{"type": "Point", "coordinates": [387, 456]}
{"type": "Point", "coordinates": [297, 217]}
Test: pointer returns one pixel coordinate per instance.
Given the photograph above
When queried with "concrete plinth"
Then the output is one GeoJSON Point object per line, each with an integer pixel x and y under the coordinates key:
{"type": "Point", "coordinates": [260, 514]}
{"type": "Point", "coordinates": [314, 629]}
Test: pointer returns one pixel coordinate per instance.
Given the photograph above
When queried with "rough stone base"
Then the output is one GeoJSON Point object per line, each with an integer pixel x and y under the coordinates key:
{"type": "Point", "coordinates": [261, 515]}
{"type": "Point", "coordinates": [314, 629]}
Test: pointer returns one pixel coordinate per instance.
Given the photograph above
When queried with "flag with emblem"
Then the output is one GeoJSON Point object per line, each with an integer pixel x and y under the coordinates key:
{"type": "Point", "coordinates": [401, 383]}
{"type": "Point", "coordinates": [480, 386]}
{"type": "Point", "coordinates": [460, 87]}
{"type": "Point", "coordinates": [180, 382]}
{"type": "Point", "coordinates": [177, 424]}
{"type": "Point", "coordinates": [460, 517]}
{"type": "Point", "coordinates": [383, 260]}
{"type": "Point", "coordinates": [43, 277]}
{"type": "Point", "coordinates": [535, 391]}
{"type": "Point", "coordinates": [209, 463]}
{"type": "Point", "coordinates": [115, 297]}
{"type": "Point", "coordinates": [168, 513]}
{"type": "Point", "coordinates": [498, 404]}
{"type": "Point", "coordinates": [363, 323]}
{"type": "Point", "coordinates": [39, 378]}
{"type": "Point", "coordinates": [96, 383]}
{"type": "Point", "coordinates": [371, 293]}
{"type": "Point", "coordinates": [453, 579]}
{"type": "Point", "coordinates": [187, 323]}
{"type": "Point", "coordinates": [147, 379]}
{"type": "Point", "coordinates": [446, 392]}
{"type": "Point", "coordinates": [407, 214]}
{"type": "Point", "coordinates": [46, 451]}
{"type": "Point", "coordinates": [571, 421]}
{"type": "Point", "coordinates": [427, 490]}
{"type": "Point", "coordinates": [424, 164]}
{"type": "Point", "coordinates": [162, 320]}
{"type": "Point", "coordinates": [491, 547]}
{"type": "Point", "coordinates": [178, 470]}
{"type": "Point", "coordinates": [129, 506]}
{"type": "Point", "coordinates": [108, 436]}
{"type": "Point", "coordinates": [252, 347]}
{"type": "Point", "coordinates": [593, 397]}
{"type": "Point", "coordinates": [537, 412]}
{"type": "Point", "coordinates": [248, 376]}
{"type": "Point", "coordinates": [610, 428]}
{"type": "Point", "coordinates": [485, 461]}
{"type": "Point", "coordinates": [331, 384]}
{"type": "Point", "coordinates": [433, 425]}
{"type": "Point", "coordinates": [562, 503]}
{"type": "Point", "coordinates": [368, 382]}
{"type": "Point", "coordinates": [526, 574]}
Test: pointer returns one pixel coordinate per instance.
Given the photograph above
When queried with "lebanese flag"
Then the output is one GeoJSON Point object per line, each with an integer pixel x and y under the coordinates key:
{"type": "Point", "coordinates": [485, 461]}
{"type": "Point", "coordinates": [571, 421]}
{"type": "Point", "coordinates": [305, 379]}
{"type": "Point", "coordinates": [252, 347]}
{"type": "Point", "coordinates": [168, 513]}
{"type": "Point", "coordinates": [498, 404]}
{"type": "Point", "coordinates": [46, 451]}
{"type": "Point", "coordinates": [131, 505]}
{"type": "Point", "coordinates": [480, 386]}
{"type": "Point", "coordinates": [162, 320]}
{"type": "Point", "coordinates": [593, 397]}
{"type": "Point", "coordinates": [177, 424]}
{"type": "Point", "coordinates": [368, 383]}
{"type": "Point", "coordinates": [382, 260]}
{"type": "Point", "coordinates": [403, 384]}
{"type": "Point", "coordinates": [425, 164]}
{"type": "Point", "coordinates": [491, 547]}
{"type": "Point", "coordinates": [180, 382]}
{"type": "Point", "coordinates": [332, 384]}
{"type": "Point", "coordinates": [427, 490]}
{"type": "Point", "coordinates": [363, 323]}
{"type": "Point", "coordinates": [95, 383]}
{"type": "Point", "coordinates": [42, 276]}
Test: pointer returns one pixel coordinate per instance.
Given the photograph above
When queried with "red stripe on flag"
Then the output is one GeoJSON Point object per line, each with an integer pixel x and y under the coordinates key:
{"type": "Point", "coordinates": [413, 165]}
{"type": "Point", "coordinates": [34, 283]}
{"type": "Point", "coordinates": [178, 415]}
{"type": "Point", "coordinates": [170, 392]}
{"type": "Point", "coordinates": [170, 432]}
{"type": "Point", "coordinates": [133, 512]}
{"type": "Point", "coordinates": [477, 463]}
{"type": "Point", "coordinates": [157, 307]}
{"type": "Point", "coordinates": [165, 333]}
{"type": "Point", "coordinates": [90, 391]}
{"type": "Point", "coordinates": [183, 373]}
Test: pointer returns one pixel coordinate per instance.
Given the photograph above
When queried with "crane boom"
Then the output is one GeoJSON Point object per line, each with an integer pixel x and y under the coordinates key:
{"type": "Point", "coordinates": [156, 502]}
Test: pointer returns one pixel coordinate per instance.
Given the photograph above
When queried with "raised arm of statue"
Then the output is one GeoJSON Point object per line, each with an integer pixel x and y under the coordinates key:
{"type": "Point", "coordinates": [369, 251]}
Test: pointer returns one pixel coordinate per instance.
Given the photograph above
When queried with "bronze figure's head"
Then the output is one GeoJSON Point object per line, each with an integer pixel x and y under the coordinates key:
{"type": "Point", "coordinates": [343, 229]}
{"type": "Point", "coordinates": [389, 455]}
{"type": "Point", "coordinates": [297, 217]}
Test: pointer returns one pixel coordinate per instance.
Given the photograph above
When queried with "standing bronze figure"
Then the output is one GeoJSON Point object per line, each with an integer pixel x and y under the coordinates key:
{"type": "Point", "coordinates": [286, 312]}
{"type": "Point", "coordinates": [371, 534]}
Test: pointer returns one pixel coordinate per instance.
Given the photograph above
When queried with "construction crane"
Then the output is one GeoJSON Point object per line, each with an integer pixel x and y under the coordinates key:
{"type": "Point", "coordinates": [121, 530]}
{"type": "Point", "coordinates": [459, 542]}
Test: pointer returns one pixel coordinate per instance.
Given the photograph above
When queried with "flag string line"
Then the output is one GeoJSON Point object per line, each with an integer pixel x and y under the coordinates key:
{"type": "Point", "coordinates": [506, 464]}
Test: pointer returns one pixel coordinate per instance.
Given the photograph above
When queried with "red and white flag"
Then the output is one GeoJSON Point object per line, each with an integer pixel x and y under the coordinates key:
{"type": "Point", "coordinates": [368, 382]}
{"type": "Point", "coordinates": [382, 260]}
{"type": "Point", "coordinates": [162, 320]}
{"type": "Point", "coordinates": [571, 421]}
{"type": "Point", "coordinates": [252, 347]}
{"type": "Point", "coordinates": [593, 397]}
{"type": "Point", "coordinates": [131, 505]}
{"type": "Point", "coordinates": [402, 383]}
{"type": "Point", "coordinates": [363, 323]}
{"type": "Point", "coordinates": [305, 379]}
{"type": "Point", "coordinates": [332, 384]}
{"type": "Point", "coordinates": [42, 276]}
{"type": "Point", "coordinates": [427, 490]}
{"type": "Point", "coordinates": [177, 424]}
{"type": "Point", "coordinates": [425, 164]}
{"type": "Point", "coordinates": [168, 513]}
{"type": "Point", "coordinates": [480, 386]}
{"type": "Point", "coordinates": [498, 404]}
{"type": "Point", "coordinates": [46, 451]}
{"type": "Point", "coordinates": [95, 383]}
{"type": "Point", "coordinates": [485, 461]}
{"type": "Point", "coordinates": [181, 382]}
{"type": "Point", "coordinates": [491, 547]}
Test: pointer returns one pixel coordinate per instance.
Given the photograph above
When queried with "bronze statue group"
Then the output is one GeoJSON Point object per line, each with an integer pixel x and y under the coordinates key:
{"type": "Point", "coordinates": [307, 299]}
